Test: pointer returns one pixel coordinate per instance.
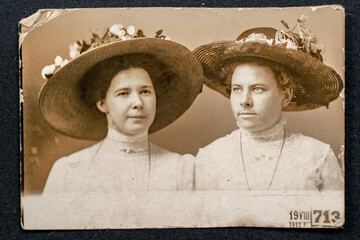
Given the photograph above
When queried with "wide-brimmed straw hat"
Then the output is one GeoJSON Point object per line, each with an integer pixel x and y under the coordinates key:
{"type": "Point", "coordinates": [60, 99]}
{"type": "Point", "coordinates": [316, 84]}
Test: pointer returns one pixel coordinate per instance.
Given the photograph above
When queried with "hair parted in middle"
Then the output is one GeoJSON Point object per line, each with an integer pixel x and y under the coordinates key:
{"type": "Point", "coordinates": [96, 82]}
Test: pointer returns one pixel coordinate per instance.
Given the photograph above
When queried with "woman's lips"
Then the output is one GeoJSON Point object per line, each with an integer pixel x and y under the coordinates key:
{"type": "Point", "coordinates": [247, 113]}
{"type": "Point", "coordinates": [137, 117]}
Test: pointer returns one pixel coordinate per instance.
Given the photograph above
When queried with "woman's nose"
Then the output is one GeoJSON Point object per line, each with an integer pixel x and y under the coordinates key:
{"type": "Point", "coordinates": [136, 101]}
{"type": "Point", "coordinates": [245, 99]}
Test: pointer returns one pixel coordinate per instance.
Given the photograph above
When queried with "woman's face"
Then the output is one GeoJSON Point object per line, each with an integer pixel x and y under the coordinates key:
{"type": "Point", "coordinates": [256, 99]}
{"type": "Point", "coordinates": [130, 102]}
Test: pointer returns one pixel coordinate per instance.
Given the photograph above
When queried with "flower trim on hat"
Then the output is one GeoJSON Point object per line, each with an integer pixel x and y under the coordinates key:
{"type": "Point", "coordinates": [115, 33]}
{"type": "Point", "coordinates": [300, 37]}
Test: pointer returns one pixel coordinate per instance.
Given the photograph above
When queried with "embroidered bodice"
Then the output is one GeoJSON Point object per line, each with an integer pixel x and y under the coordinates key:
{"type": "Point", "coordinates": [261, 152]}
{"type": "Point", "coordinates": [304, 164]}
{"type": "Point", "coordinates": [121, 163]}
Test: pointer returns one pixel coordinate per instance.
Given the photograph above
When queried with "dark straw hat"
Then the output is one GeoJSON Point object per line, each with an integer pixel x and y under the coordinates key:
{"type": "Point", "coordinates": [60, 99]}
{"type": "Point", "coordinates": [316, 84]}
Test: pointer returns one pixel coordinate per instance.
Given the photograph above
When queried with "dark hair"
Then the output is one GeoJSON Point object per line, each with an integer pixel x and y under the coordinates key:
{"type": "Point", "coordinates": [284, 78]}
{"type": "Point", "coordinates": [96, 81]}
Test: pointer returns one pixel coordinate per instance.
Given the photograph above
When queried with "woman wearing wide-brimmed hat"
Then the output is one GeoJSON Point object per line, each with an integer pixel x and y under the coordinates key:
{"type": "Point", "coordinates": [117, 90]}
{"type": "Point", "coordinates": [265, 72]}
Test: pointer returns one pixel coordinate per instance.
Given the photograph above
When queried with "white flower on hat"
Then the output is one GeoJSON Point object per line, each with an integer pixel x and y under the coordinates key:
{"type": "Point", "coordinates": [115, 28]}
{"type": "Point", "coordinates": [118, 30]}
{"type": "Point", "coordinates": [48, 71]}
{"type": "Point", "coordinates": [241, 41]}
{"type": "Point", "coordinates": [64, 63]}
{"type": "Point", "coordinates": [167, 38]}
{"type": "Point", "coordinates": [130, 30]}
{"type": "Point", "coordinates": [290, 44]}
{"type": "Point", "coordinates": [269, 41]}
{"type": "Point", "coordinates": [282, 37]}
{"type": "Point", "coordinates": [256, 37]}
{"type": "Point", "coordinates": [74, 50]}
{"type": "Point", "coordinates": [79, 47]}
{"type": "Point", "coordinates": [58, 61]}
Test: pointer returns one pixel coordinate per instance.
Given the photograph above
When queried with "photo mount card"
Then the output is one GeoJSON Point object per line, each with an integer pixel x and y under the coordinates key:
{"type": "Point", "coordinates": [194, 168]}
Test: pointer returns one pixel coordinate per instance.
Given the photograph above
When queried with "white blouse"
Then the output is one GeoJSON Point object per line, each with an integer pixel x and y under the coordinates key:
{"type": "Point", "coordinates": [304, 163]}
{"type": "Point", "coordinates": [120, 163]}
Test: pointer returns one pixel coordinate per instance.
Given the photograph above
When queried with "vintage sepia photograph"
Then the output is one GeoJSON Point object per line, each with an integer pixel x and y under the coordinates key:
{"type": "Point", "coordinates": [182, 118]}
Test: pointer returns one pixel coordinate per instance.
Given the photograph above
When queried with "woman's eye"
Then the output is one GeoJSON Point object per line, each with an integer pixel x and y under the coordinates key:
{"type": "Point", "coordinates": [258, 90]}
{"type": "Point", "coordinates": [236, 89]}
{"type": "Point", "coordinates": [122, 94]}
{"type": "Point", "coordinates": [145, 92]}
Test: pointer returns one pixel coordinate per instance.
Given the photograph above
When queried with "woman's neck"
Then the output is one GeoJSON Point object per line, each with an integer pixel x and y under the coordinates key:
{"type": "Point", "coordinates": [116, 135]}
{"type": "Point", "coordinates": [125, 143]}
{"type": "Point", "coordinates": [274, 132]}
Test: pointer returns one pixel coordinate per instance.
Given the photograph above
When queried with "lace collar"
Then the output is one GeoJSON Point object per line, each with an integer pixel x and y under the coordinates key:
{"type": "Point", "coordinates": [273, 133]}
{"type": "Point", "coordinates": [127, 144]}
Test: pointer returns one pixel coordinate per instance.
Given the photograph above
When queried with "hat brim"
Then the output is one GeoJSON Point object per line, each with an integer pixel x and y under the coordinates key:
{"type": "Point", "coordinates": [321, 84]}
{"type": "Point", "coordinates": [64, 110]}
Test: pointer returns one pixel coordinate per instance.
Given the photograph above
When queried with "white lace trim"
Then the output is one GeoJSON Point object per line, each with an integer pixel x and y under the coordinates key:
{"type": "Point", "coordinates": [127, 144]}
{"type": "Point", "coordinates": [275, 132]}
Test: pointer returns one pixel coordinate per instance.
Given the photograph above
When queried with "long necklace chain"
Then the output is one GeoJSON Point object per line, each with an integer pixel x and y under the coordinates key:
{"type": "Point", "coordinates": [149, 171]}
{"type": "Point", "coordinates": [277, 162]}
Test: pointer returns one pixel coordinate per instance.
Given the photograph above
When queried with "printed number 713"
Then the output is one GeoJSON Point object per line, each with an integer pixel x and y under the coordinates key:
{"type": "Point", "coordinates": [321, 217]}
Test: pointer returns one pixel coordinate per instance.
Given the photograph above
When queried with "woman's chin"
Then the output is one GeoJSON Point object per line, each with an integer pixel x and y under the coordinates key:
{"type": "Point", "coordinates": [250, 127]}
{"type": "Point", "coordinates": [136, 130]}
{"type": "Point", "coordinates": [133, 130]}
{"type": "Point", "coordinates": [247, 124]}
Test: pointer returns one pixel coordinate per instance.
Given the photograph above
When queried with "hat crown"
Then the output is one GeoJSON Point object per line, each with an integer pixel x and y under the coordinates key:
{"type": "Point", "coordinates": [268, 32]}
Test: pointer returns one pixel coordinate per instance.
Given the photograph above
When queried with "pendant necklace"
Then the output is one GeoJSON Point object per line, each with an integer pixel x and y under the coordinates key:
{"type": "Point", "coordinates": [277, 162]}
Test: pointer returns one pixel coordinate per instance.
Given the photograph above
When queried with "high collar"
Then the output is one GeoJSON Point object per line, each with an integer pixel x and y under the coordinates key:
{"type": "Point", "coordinates": [275, 132]}
{"type": "Point", "coordinates": [128, 144]}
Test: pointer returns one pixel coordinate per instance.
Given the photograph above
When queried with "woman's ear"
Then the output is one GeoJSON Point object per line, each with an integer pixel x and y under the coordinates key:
{"type": "Point", "coordinates": [288, 94]}
{"type": "Point", "coordinates": [102, 106]}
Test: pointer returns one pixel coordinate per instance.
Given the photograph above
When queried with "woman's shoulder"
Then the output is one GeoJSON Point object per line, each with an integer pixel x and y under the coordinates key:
{"type": "Point", "coordinates": [159, 151]}
{"type": "Point", "coordinates": [166, 154]}
{"type": "Point", "coordinates": [79, 157]}
{"type": "Point", "coordinates": [307, 141]}
{"type": "Point", "coordinates": [222, 142]}
{"type": "Point", "coordinates": [308, 146]}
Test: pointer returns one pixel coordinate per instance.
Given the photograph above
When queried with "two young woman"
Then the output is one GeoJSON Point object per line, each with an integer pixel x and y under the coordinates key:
{"type": "Point", "coordinates": [110, 92]}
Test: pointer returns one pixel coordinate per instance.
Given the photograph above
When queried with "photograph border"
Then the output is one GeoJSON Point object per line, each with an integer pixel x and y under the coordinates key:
{"type": "Point", "coordinates": [10, 150]}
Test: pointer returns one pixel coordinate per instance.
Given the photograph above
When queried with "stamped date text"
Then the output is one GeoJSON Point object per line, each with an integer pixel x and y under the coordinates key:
{"type": "Point", "coordinates": [313, 218]}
